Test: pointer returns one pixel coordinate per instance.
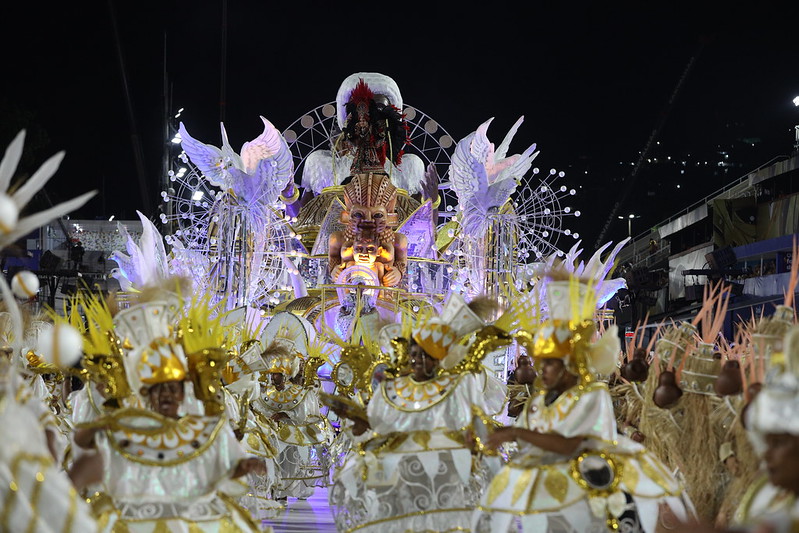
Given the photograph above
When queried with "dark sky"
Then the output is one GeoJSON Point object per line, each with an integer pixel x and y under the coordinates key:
{"type": "Point", "coordinates": [591, 79]}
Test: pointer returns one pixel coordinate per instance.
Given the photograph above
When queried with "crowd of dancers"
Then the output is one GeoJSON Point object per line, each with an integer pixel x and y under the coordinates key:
{"type": "Point", "coordinates": [178, 417]}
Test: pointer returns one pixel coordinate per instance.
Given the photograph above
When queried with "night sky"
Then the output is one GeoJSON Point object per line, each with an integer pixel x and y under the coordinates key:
{"type": "Point", "coordinates": [593, 80]}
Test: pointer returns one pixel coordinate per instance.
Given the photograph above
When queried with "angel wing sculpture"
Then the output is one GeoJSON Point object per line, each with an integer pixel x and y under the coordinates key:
{"type": "Point", "coordinates": [247, 238]}
{"type": "Point", "coordinates": [484, 178]}
{"type": "Point", "coordinates": [257, 175]}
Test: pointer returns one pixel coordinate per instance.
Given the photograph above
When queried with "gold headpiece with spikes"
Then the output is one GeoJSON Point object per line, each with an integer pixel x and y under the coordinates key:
{"type": "Point", "coordinates": [202, 332]}
{"type": "Point", "coordinates": [103, 356]}
{"type": "Point", "coordinates": [162, 361]}
{"type": "Point", "coordinates": [568, 333]}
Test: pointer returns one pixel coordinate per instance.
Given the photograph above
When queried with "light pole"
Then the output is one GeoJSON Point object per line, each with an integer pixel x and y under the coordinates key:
{"type": "Point", "coordinates": [796, 128]}
{"type": "Point", "coordinates": [629, 219]}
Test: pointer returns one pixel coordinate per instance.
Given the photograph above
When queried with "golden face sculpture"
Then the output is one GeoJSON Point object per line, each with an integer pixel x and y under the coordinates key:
{"type": "Point", "coordinates": [365, 252]}
{"type": "Point", "coordinates": [370, 200]}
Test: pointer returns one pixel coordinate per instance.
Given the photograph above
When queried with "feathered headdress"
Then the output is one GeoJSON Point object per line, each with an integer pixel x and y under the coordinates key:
{"type": "Point", "coordinates": [386, 132]}
{"type": "Point", "coordinates": [568, 332]}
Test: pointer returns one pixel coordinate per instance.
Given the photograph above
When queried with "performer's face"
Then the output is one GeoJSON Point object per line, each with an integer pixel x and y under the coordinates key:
{"type": "Point", "coordinates": [552, 371]}
{"type": "Point", "coordinates": [423, 366]}
{"type": "Point", "coordinates": [167, 397]}
{"type": "Point", "coordinates": [278, 380]}
{"type": "Point", "coordinates": [782, 460]}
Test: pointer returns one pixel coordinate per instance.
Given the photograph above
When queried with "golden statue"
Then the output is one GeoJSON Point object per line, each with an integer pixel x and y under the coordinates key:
{"type": "Point", "coordinates": [369, 201]}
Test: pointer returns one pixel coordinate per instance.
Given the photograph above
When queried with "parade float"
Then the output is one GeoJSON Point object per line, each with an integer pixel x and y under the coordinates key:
{"type": "Point", "coordinates": [362, 210]}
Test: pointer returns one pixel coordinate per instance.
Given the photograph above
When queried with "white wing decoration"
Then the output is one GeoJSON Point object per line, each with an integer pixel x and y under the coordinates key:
{"type": "Point", "coordinates": [319, 172]}
{"type": "Point", "coordinates": [268, 167]}
{"type": "Point", "coordinates": [146, 263]}
{"type": "Point", "coordinates": [259, 174]}
{"type": "Point", "coordinates": [484, 179]}
{"type": "Point", "coordinates": [209, 159]}
{"type": "Point", "coordinates": [266, 145]}
{"type": "Point", "coordinates": [409, 175]}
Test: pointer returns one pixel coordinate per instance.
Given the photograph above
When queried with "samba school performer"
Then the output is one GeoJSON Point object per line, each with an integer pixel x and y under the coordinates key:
{"type": "Point", "coordinates": [171, 463]}
{"type": "Point", "coordinates": [35, 494]}
{"type": "Point", "coordinates": [303, 434]}
{"type": "Point", "coordinates": [258, 438]}
{"type": "Point", "coordinates": [413, 469]}
{"type": "Point", "coordinates": [574, 472]}
{"type": "Point", "coordinates": [771, 505]}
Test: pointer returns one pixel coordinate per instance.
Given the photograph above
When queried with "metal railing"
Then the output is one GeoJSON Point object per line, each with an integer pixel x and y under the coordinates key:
{"type": "Point", "coordinates": [640, 242]}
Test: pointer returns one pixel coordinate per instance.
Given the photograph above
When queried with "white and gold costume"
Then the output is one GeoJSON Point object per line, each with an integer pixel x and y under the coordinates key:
{"type": "Point", "coordinates": [302, 439]}
{"type": "Point", "coordinates": [413, 471]}
{"type": "Point", "coordinates": [172, 475]}
{"type": "Point", "coordinates": [258, 440]}
{"type": "Point", "coordinates": [304, 435]}
{"type": "Point", "coordinates": [35, 494]}
{"type": "Point", "coordinates": [164, 474]}
{"type": "Point", "coordinates": [608, 482]}
{"type": "Point", "coordinates": [548, 491]}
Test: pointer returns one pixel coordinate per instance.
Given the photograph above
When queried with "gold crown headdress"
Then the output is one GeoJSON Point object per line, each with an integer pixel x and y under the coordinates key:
{"type": "Point", "coordinates": [146, 331]}
{"type": "Point", "coordinates": [162, 361]}
{"type": "Point", "coordinates": [568, 333]}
